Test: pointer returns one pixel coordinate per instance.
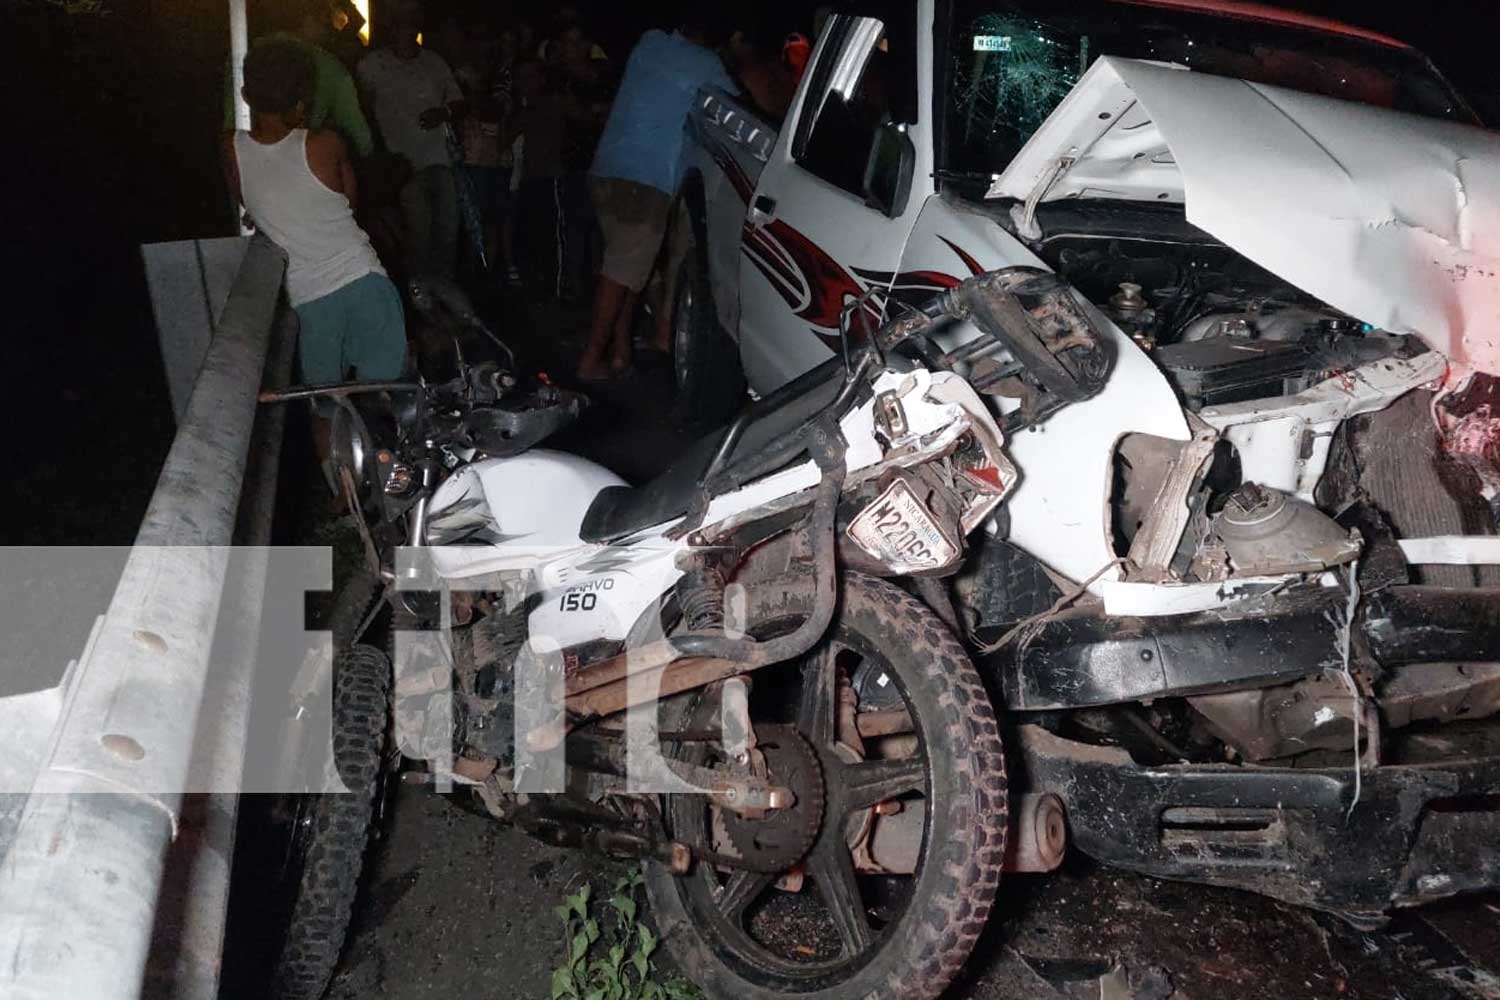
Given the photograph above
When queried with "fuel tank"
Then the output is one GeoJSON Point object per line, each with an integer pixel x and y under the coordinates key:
{"type": "Point", "coordinates": [504, 513]}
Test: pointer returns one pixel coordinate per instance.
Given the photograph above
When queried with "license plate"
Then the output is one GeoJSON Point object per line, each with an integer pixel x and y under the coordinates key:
{"type": "Point", "coordinates": [897, 530]}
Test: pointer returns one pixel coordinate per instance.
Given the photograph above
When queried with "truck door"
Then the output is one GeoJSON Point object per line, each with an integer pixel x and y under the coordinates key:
{"type": "Point", "coordinates": [831, 211]}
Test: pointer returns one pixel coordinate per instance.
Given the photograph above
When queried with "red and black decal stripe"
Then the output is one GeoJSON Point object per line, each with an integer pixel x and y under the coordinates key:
{"type": "Point", "coordinates": [814, 285]}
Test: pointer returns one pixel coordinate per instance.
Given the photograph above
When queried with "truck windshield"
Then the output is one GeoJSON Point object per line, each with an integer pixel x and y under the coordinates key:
{"type": "Point", "coordinates": [1010, 62]}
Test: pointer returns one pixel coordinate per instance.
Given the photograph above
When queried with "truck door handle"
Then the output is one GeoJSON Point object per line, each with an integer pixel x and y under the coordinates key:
{"type": "Point", "coordinates": [762, 209]}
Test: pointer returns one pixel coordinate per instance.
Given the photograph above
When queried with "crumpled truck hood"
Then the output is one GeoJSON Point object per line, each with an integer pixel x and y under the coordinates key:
{"type": "Point", "coordinates": [1389, 217]}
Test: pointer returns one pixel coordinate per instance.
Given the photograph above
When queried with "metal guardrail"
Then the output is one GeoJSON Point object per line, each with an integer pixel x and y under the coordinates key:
{"type": "Point", "coordinates": [86, 879]}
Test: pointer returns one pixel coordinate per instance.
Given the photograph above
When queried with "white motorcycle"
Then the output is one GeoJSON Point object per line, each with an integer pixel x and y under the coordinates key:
{"type": "Point", "coordinates": [740, 672]}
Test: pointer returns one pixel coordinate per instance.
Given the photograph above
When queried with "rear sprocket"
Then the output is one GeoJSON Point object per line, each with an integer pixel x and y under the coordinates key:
{"type": "Point", "coordinates": [783, 837]}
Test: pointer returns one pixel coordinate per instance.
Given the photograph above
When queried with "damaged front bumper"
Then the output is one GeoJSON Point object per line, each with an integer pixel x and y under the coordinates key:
{"type": "Point", "coordinates": [1399, 835]}
{"type": "Point", "coordinates": [1420, 825]}
{"type": "Point", "coordinates": [1083, 658]}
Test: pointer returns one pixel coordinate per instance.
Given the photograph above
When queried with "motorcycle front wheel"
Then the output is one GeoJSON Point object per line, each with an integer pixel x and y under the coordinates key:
{"type": "Point", "coordinates": [836, 923]}
{"type": "Point", "coordinates": [329, 831]}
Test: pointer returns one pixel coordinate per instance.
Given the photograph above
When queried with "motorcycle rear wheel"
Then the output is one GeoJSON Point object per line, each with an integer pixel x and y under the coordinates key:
{"type": "Point", "coordinates": [901, 650]}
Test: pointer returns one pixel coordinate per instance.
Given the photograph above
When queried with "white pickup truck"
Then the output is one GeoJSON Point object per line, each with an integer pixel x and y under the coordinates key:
{"type": "Point", "coordinates": [1290, 230]}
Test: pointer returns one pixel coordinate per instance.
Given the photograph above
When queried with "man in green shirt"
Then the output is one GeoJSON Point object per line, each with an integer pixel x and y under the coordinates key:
{"type": "Point", "coordinates": [335, 101]}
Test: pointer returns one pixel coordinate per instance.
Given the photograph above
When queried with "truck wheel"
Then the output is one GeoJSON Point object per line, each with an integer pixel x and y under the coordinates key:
{"type": "Point", "coordinates": [846, 933]}
{"type": "Point", "coordinates": [330, 832]}
{"type": "Point", "coordinates": [705, 361]}
{"type": "Point", "coordinates": [1005, 584]}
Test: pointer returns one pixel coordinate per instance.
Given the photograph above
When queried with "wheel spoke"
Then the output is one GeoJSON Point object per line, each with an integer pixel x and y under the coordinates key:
{"type": "Point", "coordinates": [742, 889]}
{"type": "Point", "coordinates": [832, 870]}
{"type": "Point", "coordinates": [815, 712]}
{"type": "Point", "coordinates": [862, 785]}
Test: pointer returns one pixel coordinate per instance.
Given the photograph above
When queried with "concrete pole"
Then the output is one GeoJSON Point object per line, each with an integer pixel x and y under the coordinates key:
{"type": "Point", "coordinates": [239, 44]}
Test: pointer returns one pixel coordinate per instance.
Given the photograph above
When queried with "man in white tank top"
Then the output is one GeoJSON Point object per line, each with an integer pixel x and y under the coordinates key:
{"type": "Point", "coordinates": [298, 187]}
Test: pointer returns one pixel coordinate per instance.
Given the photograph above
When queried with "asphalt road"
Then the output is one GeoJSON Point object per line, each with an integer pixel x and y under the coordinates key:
{"type": "Point", "coordinates": [456, 906]}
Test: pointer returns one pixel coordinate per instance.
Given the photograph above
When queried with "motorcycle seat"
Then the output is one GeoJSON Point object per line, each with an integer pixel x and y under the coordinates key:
{"type": "Point", "coordinates": [769, 442]}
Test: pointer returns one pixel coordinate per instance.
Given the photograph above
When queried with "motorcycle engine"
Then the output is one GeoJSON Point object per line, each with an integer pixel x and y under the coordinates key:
{"type": "Point", "coordinates": [484, 654]}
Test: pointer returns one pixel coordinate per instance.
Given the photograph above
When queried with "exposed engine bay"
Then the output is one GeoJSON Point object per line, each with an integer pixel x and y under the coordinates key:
{"type": "Point", "coordinates": [1222, 329]}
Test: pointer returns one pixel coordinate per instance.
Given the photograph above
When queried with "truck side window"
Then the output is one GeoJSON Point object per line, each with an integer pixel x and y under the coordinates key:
{"type": "Point", "coordinates": [856, 83]}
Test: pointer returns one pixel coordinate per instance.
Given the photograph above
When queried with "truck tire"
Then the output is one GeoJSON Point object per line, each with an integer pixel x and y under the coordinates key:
{"type": "Point", "coordinates": [918, 949]}
{"type": "Point", "coordinates": [705, 361]}
{"type": "Point", "coordinates": [334, 830]}
{"type": "Point", "coordinates": [1005, 584]}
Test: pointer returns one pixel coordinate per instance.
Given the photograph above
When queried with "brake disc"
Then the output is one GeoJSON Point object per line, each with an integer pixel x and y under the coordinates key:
{"type": "Point", "coordinates": [783, 837]}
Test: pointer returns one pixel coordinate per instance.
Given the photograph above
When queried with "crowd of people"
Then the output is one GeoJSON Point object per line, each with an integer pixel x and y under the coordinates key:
{"type": "Point", "coordinates": [498, 151]}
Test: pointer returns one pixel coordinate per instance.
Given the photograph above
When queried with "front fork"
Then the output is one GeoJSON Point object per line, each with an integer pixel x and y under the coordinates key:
{"type": "Point", "coordinates": [416, 537]}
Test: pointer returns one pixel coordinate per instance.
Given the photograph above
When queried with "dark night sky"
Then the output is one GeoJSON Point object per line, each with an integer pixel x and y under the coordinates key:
{"type": "Point", "coordinates": [1461, 36]}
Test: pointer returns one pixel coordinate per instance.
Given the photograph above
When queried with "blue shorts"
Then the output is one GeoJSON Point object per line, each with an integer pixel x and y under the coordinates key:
{"type": "Point", "coordinates": [357, 332]}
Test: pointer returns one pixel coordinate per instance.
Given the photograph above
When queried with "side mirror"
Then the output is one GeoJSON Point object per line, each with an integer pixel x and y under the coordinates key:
{"type": "Point", "coordinates": [888, 171]}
